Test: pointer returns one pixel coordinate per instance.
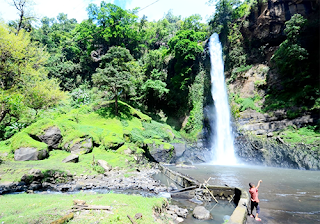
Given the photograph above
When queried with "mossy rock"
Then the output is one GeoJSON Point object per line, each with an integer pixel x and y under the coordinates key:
{"type": "Point", "coordinates": [79, 146]}
{"type": "Point", "coordinates": [159, 151]}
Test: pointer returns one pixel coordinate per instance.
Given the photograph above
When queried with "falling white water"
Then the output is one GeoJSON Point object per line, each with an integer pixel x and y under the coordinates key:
{"type": "Point", "coordinates": [222, 145]}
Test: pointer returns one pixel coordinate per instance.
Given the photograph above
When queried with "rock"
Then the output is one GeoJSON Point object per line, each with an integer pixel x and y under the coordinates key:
{"type": "Point", "coordinates": [179, 148]}
{"type": "Point", "coordinates": [179, 219]}
{"type": "Point", "coordinates": [173, 187]}
{"type": "Point", "coordinates": [128, 151]}
{"type": "Point", "coordinates": [201, 213]}
{"type": "Point", "coordinates": [174, 209]}
{"type": "Point", "coordinates": [37, 174]}
{"type": "Point", "coordinates": [270, 135]}
{"type": "Point", "coordinates": [28, 153]}
{"type": "Point", "coordinates": [106, 166]}
{"type": "Point", "coordinates": [71, 159]}
{"type": "Point", "coordinates": [160, 153]}
{"type": "Point", "coordinates": [138, 216]}
{"type": "Point", "coordinates": [51, 137]}
{"type": "Point", "coordinates": [82, 147]}
{"type": "Point", "coordinates": [35, 185]}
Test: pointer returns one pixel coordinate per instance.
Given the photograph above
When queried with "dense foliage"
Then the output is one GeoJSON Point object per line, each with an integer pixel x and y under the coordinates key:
{"type": "Point", "coordinates": [111, 55]}
{"type": "Point", "coordinates": [25, 88]}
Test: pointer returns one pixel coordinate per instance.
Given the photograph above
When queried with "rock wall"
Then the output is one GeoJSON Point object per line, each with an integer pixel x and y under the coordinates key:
{"type": "Point", "coordinates": [274, 152]}
{"type": "Point", "coordinates": [265, 25]}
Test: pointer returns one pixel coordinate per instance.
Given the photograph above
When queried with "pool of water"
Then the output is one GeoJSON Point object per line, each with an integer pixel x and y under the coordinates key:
{"type": "Point", "coordinates": [286, 195]}
{"type": "Point", "coordinates": [219, 211]}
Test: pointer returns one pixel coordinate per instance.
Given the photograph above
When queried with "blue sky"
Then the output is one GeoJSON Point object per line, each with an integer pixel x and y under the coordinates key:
{"type": "Point", "coordinates": [77, 8]}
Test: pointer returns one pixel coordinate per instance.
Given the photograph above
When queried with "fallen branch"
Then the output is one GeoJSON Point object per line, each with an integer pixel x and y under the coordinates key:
{"type": "Point", "coordinates": [131, 219]}
{"type": "Point", "coordinates": [64, 219]}
{"type": "Point", "coordinates": [211, 194]}
{"type": "Point", "coordinates": [91, 207]}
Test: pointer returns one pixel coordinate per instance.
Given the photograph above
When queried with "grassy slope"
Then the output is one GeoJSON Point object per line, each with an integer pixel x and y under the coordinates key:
{"type": "Point", "coordinates": [13, 170]}
{"type": "Point", "coordinates": [130, 127]}
{"type": "Point", "coordinates": [37, 208]}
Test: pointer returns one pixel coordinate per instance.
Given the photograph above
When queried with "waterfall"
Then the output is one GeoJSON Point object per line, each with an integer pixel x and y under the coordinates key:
{"type": "Point", "coordinates": [222, 145]}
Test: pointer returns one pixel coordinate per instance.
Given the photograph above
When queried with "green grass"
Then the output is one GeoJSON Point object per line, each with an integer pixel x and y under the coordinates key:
{"type": "Point", "coordinates": [246, 103]}
{"type": "Point", "coordinates": [39, 208]}
{"type": "Point", "coordinates": [308, 135]}
{"type": "Point", "coordinates": [13, 170]}
{"type": "Point", "coordinates": [102, 126]}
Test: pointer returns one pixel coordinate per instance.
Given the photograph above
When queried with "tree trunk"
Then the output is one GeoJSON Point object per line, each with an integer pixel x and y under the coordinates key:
{"type": "Point", "coordinates": [3, 114]}
{"type": "Point", "coordinates": [116, 102]}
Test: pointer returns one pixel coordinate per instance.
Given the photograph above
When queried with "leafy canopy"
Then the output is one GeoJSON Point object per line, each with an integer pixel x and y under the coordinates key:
{"type": "Point", "coordinates": [114, 72]}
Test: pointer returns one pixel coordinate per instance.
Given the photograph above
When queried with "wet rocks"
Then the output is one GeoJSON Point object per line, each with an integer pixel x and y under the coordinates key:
{"type": "Point", "coordinates": [275, 152]}
{"type": "Point", "coordinates": [201, 213]}
{"type": "Point", "coordinates": [176, 213]}
{"type": "Point", "coordinates": [63, 182]}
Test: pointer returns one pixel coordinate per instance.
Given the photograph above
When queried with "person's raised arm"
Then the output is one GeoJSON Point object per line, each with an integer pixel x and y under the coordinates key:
{"type": "Point", "coordinates": [260, 181]}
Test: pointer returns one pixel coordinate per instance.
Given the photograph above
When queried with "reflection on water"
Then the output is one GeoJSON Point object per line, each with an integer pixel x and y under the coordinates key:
{"type": "Point", "coordinates": [286, 193]}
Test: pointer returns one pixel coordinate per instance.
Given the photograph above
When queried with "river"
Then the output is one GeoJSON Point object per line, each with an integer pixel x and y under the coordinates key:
{"type": "Point", "coordinates": [286, 195]}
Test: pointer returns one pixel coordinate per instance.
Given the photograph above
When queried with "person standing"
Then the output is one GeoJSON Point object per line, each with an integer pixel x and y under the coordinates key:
{"type": "Point", "coordinates": [254, 199]}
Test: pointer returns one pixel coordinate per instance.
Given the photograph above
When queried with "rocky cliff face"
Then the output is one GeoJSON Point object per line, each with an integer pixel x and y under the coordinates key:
{"type": "Point", "coordinates": [265, 25]}
{"type": "Point", "coordinates": [258, 130]}
{"type": "Point", "coordinates": [275, 152]}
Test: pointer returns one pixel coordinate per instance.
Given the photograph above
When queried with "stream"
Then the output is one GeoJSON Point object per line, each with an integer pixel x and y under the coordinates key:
{"type": "Point", "coordinates": [286, 195]}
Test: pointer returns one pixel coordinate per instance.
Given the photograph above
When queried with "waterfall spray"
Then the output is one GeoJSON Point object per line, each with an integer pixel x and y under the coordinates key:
{"type": "Point", "coordinates": [222, 144]}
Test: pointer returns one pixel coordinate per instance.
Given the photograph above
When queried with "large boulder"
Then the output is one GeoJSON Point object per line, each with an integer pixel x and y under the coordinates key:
{"type": "Point", "coordinates": [52, 137]}
{"type": "Point", "coordinates": [82, 147]}
{"type": "Point", "coordinates": [160, 153]}
{"type": "Point", "coordinates": [28, 153]}
{"type": "Point", "coordinates": [201, 213]}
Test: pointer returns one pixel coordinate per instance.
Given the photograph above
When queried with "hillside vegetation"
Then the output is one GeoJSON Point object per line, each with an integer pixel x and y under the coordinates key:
{"type": "Point", "coordinates": [271, 61]}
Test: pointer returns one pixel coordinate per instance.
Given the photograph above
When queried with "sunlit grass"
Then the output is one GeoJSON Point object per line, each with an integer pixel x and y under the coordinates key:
{"type": "Point", "coordinates": [39, 208]}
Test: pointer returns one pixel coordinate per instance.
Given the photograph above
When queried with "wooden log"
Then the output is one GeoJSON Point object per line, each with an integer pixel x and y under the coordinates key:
{"type": "Point", "coordinates": [131, 219]}
{"type": "Point", "coordinates": [64, 219]}
{"type": "Point", "coordinates": [184, 189]}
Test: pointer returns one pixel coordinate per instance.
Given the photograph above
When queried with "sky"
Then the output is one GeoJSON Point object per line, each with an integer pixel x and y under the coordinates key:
{"type": "Point", "coordinates": [77, 8]}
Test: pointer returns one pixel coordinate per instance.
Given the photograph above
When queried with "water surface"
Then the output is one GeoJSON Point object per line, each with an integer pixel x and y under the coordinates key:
{"type": "Point", "coordinates": [286, 195]}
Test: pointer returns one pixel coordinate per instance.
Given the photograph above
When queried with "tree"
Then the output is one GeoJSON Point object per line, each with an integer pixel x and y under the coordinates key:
{"type": "Point", "coordinates": [114, 72]}
{"type": "Point", "coordinates": [290, 56]}
{"type": "Point", "coordinates": [22, 65]}
{"type": "Point", "coordinates": [186, 47]}
{"type": "Point", "coordinates": [26, 16]}
{"type": "Point", "coordinates": [193, 22]}
{"type": "Point", "coordinates": [64, 63]}
{"type": "Point", "coordinates": [115, 26]}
